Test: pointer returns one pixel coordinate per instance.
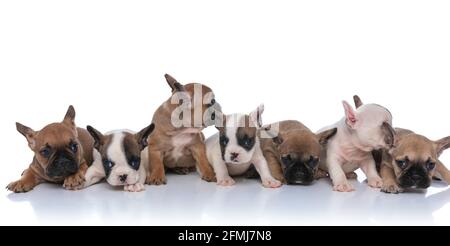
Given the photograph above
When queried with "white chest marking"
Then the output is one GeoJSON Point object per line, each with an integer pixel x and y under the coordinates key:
{"type": "Point", "coordinates": [179, 143]}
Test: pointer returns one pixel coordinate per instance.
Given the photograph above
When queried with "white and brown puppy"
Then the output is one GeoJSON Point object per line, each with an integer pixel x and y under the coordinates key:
{"type": "Point", "coordinates": [178, 143]}
{"type": "Point", "coordinates": [120, 157]}
{"type": "Point", "coordinates": [359, 133]}
{"type": "Point", "coordinates": [413, 162]}
{"type": "Point", "coordinates": [236, 147]}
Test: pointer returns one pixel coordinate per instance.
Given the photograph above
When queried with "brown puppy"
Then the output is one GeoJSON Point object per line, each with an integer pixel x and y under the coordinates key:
{"type": "Point", "coordinates": [412, 162]}
{"type": "Point", "coordinates": [293, 154]}
{"type": "Point", "coordinates": [177, 141]}
{"type": "Point", "coordinates": [62, 153]}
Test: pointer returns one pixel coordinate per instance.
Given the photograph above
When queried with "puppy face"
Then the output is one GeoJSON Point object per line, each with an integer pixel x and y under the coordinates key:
{"type": "Point", "coordinates": [299, 152]}
{"type": "Point", "coordinates": [121, 154]}
{"type": "Point", "coordinates": [414, 160]}
{"type": "Point", "coordinates": [238, 136]}
{"type": "Point", "coordinates": [371, 124]}
{"type": "Point", "coordinates": [56, 147]}
{"type": "Point", "coordinates": [193, 105]}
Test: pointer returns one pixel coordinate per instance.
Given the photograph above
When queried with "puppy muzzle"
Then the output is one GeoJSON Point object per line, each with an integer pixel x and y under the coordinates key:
{"type": "Point", "coordinates": [63, 165]}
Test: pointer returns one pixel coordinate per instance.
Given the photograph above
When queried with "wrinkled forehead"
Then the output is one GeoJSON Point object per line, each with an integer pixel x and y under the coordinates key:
{"type": "Point", "coordinates": [375, 113]}
{"type": "Point", "coordinates": [300, 142]}
{"type": "Point", "coordinates": [416, 147]}
{"type": "Point", "coordinates": [55, 134]}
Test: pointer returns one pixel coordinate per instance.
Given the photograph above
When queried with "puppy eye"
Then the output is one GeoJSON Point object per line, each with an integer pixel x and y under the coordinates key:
{"type": "Point", "coordinates": [247, 141]}
{"type": "Point", "coordinates": [108, 164]}
{"type": "Point", "coordinates": [213, 101]}
{"type": "Point", "coordinates": [286, 159]}
{"type": "Point", "coordinates": [74, 147]}
{"type": "Point", "coordinates": [313, 161]}
{"type": "Point", "coordinates": [401, 163]}
{"type": "Point", "coordinates": [213, 116]}
{"type": "Point", "coordinates": [430, 165]}
{"type": "Point", "coordinates": [223, 140]}
{"type": "Point", "coordinates": [45, 152]}
{"type": "Point", "coordinates": [135, 163]}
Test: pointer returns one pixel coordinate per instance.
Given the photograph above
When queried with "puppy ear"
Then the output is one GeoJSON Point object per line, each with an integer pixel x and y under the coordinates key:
{"type": "Point", "coordinates": [326, 135]}
{"type": "Point", "coordinates": [142, 135]}
{"type": "Point", "coordinates": [350, 115]}
{"type": "Point", "coordinates": [357, 100]}
{"type": "Point", "coordinates": [278, 140]}
{"type": "Point", "coordinates": [255, 116]}
{"type": "Point", "coordinates": [173, 83]}
{"type": "Point", "coordinates": [442, 144]}
{"type": "Point", "coordinates": [69, 118]}
{"type": "Point", "coordinates": [28, 133]}
{"type": "Point", "coordinates": [389, 134]}
{"type": "Point", "coordinates": [98, 137]}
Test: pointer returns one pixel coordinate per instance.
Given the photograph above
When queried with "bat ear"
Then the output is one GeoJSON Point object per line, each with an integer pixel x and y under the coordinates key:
{"type": "Point", "coordinates": [326, 135]}
{"type": "Point", "coordinates": [350, 115]}
{"type": "Point", "coordinates": [357, 100]}
{"type": "Point", "coordinates": [28, 133]}
{"type": "Point", "coordinates": [442, 144]}
{"type": "Point", "coordinates": [69, 118]}
{"type": "Point", "coordinates": [255, 116]}
{"type": "Point", "coordinates": [142, 135]}
{"type": "Point", "coordinates": [173, 83]}
{"type": "Point", "coordinates": [99, 139]}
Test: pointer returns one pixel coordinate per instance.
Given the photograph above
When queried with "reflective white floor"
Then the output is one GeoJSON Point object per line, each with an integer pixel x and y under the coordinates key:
{"type": "Point", "coordinates": [187, 200]}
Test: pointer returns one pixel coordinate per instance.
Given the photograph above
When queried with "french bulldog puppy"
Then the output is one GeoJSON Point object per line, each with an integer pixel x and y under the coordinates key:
{"type": "Point", "coordinates": [120, 157]}
{"type": "Point", "coordinates": [236, 147]}
{"type": "Point", "coordinates": [178, 142]}
{"type": "Point", "coordinates": [359, 133]}
{"type": "Point", "coordinates": [413, 162]}
{"type": "Point", "coordinates": [293, 154]}
{"type": "Point", "coordinates": [62, 154]}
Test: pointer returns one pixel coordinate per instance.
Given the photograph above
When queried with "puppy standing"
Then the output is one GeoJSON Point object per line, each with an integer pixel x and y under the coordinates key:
{"type": "Point", "coordinates": [236, 147]}
{"type": "Point", "coordinates": [121, 157]}
{"type": "Point", "coordinates": [177, 141]}
{"type": "Point", "coordinates": [293, 153]}
{"type": "Point", "coordinates": [62, 153]}
{"type": "Point", "coordinates": [359, 133]}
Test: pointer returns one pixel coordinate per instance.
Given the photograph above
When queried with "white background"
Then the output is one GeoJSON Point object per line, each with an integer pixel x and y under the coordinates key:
{"type": "Point", "coordinates": [300, 58]}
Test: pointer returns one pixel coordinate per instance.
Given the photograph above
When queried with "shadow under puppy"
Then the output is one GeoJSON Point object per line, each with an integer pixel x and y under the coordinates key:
{"type": "Point", "coordinates": [412, 162]}
{"type": "Point", "coordinates": [359, 133]}
{"type": "Point", "coordinates": [293, 151]}
{"type": "Point", "coordinates": [236, 147]}
{"type": "Point", "coordinates": [62, 154]}
{"type": "Point", "coordinates": [178, 141]}
{"type": "Point", "coordinates": [120, 157]}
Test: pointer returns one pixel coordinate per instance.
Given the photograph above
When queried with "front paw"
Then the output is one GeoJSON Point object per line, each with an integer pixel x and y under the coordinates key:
{"type": "Point", "coordinates": [376, 182]}
{"type": "Point", "coordinates": [209, 177]}
{"type": "Point", "coordinates": [343, 187]}
{"type": "Point", "coordinates": [154, 179]}
{"type": "Point", "coordinates": [20, 186]}
{"type": "Point", "coordinates": [134, 187]}
{"type": "Point", "coordinates": [225, 181]}
{"type": "Point", "coordinates": [271, 183]}
{"type": "Point", "coordinates": [74, 182]}
{"type": "Point", "coordinates": [391, 187]}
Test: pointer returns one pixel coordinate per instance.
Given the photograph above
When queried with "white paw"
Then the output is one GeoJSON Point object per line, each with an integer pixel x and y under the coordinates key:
{"type": "Point", "coordinates": [225, 181]}
{"type": "Point", "coordinates": [134, 187]}
{"type": "Point", "coordinates": [375, 182]}
{"type": "Point", "coordinates": [344, 186]}
{"type": "Point", "coordinates": [271, 183]}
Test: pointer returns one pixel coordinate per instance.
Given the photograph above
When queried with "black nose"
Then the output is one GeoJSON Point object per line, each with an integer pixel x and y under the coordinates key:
{"type": "Point", "coordinates": [234, 156]}
{"type": "Point", "coordinates": [416, 177]}
{"type": "Point", "coordinates": [123, 178]}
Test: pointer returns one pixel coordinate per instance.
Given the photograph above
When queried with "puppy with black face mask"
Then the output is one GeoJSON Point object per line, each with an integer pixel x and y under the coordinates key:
{"type": "Point", "coordinates": [236, 147]}
{"type": "Point", "coordinates": [121, 157]}
{"type": "Point", "coordinates": [293, 154]}
{"type": "Point", "coordinates": [62, 154]}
